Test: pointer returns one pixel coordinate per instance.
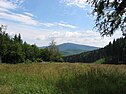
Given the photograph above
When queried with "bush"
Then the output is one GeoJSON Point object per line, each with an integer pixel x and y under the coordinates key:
{"type": "Point", "coordinates": [39, 60]}
{"type": "Point", "coordinates": [28, 61]}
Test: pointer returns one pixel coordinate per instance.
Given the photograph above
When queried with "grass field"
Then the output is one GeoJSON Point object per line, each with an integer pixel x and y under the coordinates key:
{"type": "Point", "coordinates": [62, 78]}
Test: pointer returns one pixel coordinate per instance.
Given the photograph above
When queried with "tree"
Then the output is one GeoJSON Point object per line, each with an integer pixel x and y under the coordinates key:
{"type": "Point", "coordinates": [110, 15]}
{"type": "Point", "coordinates": [54, 52]}
{"type": "Point", "coordinates": [14, 54]}
{"type": "Point", "coordinates": [13, 50]}
{"type": "Point", "coordinates": [4, 41]}
{"type": "Point", "coordinates": [45, 54]}
{"type": "Point", "coordinates": [32, 52]}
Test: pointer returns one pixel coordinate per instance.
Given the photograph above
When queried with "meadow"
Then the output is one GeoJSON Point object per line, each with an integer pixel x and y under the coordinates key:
{"type": "Point", "coordinates": [62, 78]}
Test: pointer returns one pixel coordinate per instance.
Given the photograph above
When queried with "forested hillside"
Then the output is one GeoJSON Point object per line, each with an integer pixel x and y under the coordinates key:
{"type": "Point", "coordinates": [72, 48]}
{"type": "Point", "coordinates": [14, 50]}
{"type": "Point", "coordinates": [113, 53]}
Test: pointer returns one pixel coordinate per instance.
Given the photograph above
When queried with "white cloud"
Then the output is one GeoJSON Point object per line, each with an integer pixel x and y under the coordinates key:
{"type": "Point", "coordinates": [11, 4]}
{"type": "Point", "coordinates": [26, 18]}
{"type": "Point", "coordinates": [78, 37]}
{"type": "Point", "coordinates": [86, 37]}
{"type": "Point", "coordinates": [56, 24]}
{"type": "Point", "coordinates": [48, 24]}
{"type": "Point", "coordinates": [78, 3]}
{"type": "Point", "coordinates": [42, 37]}
{"type": "Point", "coordinates": [66, 25]}
{"type": "Point", "coordinates": [3, 10]}
{"type": "Point", "coordinates": [29, 14]}
{"type": "Point", "coordinates": [6, 8]}
{"type": "Point", "coordinates": [19, 2]}
{"type": "Point", "coordinates": [7, 4]}
{"type": "Point", "coordinates": [22, 18]}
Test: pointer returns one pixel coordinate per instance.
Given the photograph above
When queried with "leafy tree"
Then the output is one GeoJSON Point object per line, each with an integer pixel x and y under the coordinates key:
{"type": "Point", "coordinates": [35, 52]}
{"type": "Point", "coordinates": [110, 15]}
{"type": "Point", "coordinates": [54, 52]}
{"type": "Point", "coordinates": [45, 54]}
{"type": "Point", "coordinates": [32, 52]}
{"type": "Point", "coordinates": [13, 50]}
{"type": "Point", "coordinates": [14, 54]}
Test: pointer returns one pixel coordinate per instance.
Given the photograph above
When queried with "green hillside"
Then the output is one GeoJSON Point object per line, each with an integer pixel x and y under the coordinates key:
{"type": "Point", "coordinates": [113, 53]}
{"type": "Point", "coordinates": [67, 49]}
{"type": "Point", "coordinates": [71, 52]}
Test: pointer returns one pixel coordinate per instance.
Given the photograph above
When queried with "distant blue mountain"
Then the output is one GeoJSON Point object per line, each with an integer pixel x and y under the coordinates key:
{"type": "Point", "coordinates": [71, 48]}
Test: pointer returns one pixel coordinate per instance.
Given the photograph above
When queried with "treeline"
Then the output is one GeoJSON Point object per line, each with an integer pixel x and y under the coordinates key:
{"type": "Point", "coordinates": [85, 57]}
{"type": "Point", "coordinates": [113, 53]}
{"type": "Point", "coordinates": [14, 50]}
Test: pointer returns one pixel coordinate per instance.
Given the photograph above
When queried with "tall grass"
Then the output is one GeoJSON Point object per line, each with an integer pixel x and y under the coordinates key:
{"type": "Point", "coordinates": [62, 79]}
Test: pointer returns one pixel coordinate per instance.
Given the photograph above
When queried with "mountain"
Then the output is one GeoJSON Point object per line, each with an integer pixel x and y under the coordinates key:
{"type": "Point", "coordinates": [113, 53]}
{"type": "Point", "coordinates": [71, 48]}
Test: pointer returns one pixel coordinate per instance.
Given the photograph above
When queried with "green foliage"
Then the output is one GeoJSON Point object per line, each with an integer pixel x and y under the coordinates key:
{"type": "Point", "coordinates": [45, 54]}
{"type": "Point", "coordinates": [110, 15]}
{"type": "Point", "coordinates": [54, 52]}
{"type": "Point", "coordinates": [86, 57]}
{"type": "Point", "coordinates": [62, 78]}
{"type": "Point", "coordinates": [14, 54]}
{"type": "Point", "coordinates": [114, 53]}
{"type": "Point", "coordinates": [28, 61]}
{"type": "Point", "coordinates": [100, 61]}
{"type": "Point", "coordinates": [13, 50]}
{"type": "Point", "coordinates": [51, 53]}
{"type": "Point", "coordinates": [71, 52]}
{"type": "Point", "coordinates": [39, 60]}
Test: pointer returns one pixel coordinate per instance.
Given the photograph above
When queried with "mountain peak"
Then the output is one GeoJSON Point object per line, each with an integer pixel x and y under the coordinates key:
{"type": "Point", "coordinates": [72, 48]}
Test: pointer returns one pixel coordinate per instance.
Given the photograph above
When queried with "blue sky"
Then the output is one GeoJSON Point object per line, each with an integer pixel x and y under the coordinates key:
{"type": "Point", "coordinates": [41, 21]}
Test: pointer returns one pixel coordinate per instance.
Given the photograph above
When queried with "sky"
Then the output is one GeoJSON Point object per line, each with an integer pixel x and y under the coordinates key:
{"type": "Point", "coordinates": [41, 21]}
